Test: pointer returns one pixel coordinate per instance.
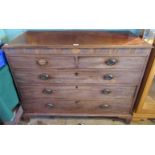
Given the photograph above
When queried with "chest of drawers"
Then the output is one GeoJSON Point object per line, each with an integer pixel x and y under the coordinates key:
{"type": "Point", "coordinates": [77, 73]}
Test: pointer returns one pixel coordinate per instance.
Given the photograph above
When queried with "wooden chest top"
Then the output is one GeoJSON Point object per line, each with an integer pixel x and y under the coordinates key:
{"type": "Point", "coordinates": [77, 39]}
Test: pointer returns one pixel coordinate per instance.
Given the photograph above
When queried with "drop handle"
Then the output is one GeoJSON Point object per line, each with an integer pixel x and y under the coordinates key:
{"type": "Point", "coordinates": [111, 61]}
{"type": "Point", "coordinates": [108, 77]}
{"type": "Point", "coordinates": [44, 76]}
{"type": "Point", "coordinates": [42, 62]}
{"type": "Point", "coordinates": [47, 91]}
{"type": "Point", "coordinates": [104, 106]}
{"type": "Point", "coordinates": [106, 91]}
{"type": "Point", "coordinates": [49, 105]}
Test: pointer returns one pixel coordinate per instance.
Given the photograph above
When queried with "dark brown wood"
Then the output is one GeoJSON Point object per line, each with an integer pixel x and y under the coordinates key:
{"type": "Point", "coordinates": [78, 51]}
{"type": "Point", "coordinates": [121, 62]}
{"type": "Point", "coordinates": [47, 105]}
{"type": "Point", "coordinates": [76, 92]}
{"type": "Point", "coordinates": [78, 73]}
{"type": "Point", "coordinates": [82, 39]}
{"type": "Point", "coordinates": [77, 76]}
{"type": "Point", "coordinates": [35, 62]}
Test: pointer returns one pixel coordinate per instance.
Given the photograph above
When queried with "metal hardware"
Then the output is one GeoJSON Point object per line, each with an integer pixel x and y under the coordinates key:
{"type": "Point", "coordinates": [49, 105]}
{"type": "Point", "coordinates": [106, 91]}
{"type": "Point", "coordinates": [111, 62]}
{"type": "Point", "coordinates": [104, 106]}
{"type": "Point", "coordinates": [81, 124]}
{"type": "Point", "coordinates": [47, 91]}
{"type": "Point", "coordinates": [42, 62]}
{"type": "Point", "coordinates": [44, 76]}
{"type": "Point", "coordinates": [108, 77]}
{"type": "Point", "coordinates": [75, 44]}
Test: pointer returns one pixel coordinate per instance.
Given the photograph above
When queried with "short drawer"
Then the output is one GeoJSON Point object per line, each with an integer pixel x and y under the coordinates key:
{"type": "Point", "coordinates": [76, 92]}
{"type": "Point", "coordinates": [111, 62]}
{"type": "Point", "coordinates": [104, 76]}
{"type": "Point", "coordinates": [73, 107]}
{"type": "Point", "coordinates": [41, 61]}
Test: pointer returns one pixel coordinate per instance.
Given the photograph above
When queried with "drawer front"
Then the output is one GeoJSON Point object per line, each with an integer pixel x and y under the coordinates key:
{"type": "Point", "coordinates": [105, 76]}
{"type": "Point", "coordinates": [41, 61]}
{"type": "Point", "coordinates": [112, 62]}
{"type": "Point", "coordinates": [64, 107]}
{"type": "Point", "coordinates": [77, 92]}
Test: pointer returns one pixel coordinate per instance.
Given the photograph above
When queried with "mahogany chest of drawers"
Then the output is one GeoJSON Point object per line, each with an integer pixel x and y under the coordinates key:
{"type": "Point", "coordinates": [77, 73]}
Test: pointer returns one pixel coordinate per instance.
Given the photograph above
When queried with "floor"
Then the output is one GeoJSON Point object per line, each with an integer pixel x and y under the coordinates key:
{"type": "Point", "coordinates": [82, 121]}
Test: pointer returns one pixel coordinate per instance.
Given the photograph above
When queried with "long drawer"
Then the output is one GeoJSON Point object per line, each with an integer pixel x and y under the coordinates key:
{"type": "Point", "coordinates": [66, 107]}
{"type": "Point", "coordinates": [76, 92]}
{"type": "Point", "coordinates": [104, 76]}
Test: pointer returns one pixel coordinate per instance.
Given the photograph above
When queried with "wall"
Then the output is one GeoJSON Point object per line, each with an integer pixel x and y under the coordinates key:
{"type": "Point", "coordinates": [13, 33]}
{"type": "Point", "coordinates": [3, 37]}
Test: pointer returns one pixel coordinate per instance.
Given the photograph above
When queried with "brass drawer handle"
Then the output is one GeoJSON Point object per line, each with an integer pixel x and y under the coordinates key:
{"type": "Point", "coordinates": [47, 91]}
{"type": "Point", "coordinates": [111, 61]}
{"type": "Point", "coordinates": [44, 76]}
{"type": "Point", "coordinates": [108, 77]}
{"type": "Point", "coordinates": [42, 62]}
{"type": "Point", "coordinates": [49, 105]}
{"type": "Point", "coordinates": [106, 91]}
{"type": "Point", "coordinates": [104, 106]}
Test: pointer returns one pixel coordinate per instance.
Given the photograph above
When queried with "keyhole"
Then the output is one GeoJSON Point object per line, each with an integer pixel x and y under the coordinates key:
{"type": "Point", "coordinates": [76, 87]}
{"type": "Point", "coordinates": [76, 73]}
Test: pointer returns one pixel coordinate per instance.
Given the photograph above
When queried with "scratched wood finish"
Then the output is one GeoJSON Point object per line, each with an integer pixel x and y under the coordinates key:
{"type": "Point", "coordinates": [76, 76]}
{"type": "Point", "coordinates": [77, 92]}
{"type": "Point", "coordinates": [76, 63]}
{"type": "Point", "coordinates": [47, 105]}
{"type": "Point", "coordinates": [85, 39]}
{"type": "Point", "coordinates": [123, 62]}
{"type": "Point", "coordinates": [69, 62]}
{"type": "Point", "coordinates": [32, 61]}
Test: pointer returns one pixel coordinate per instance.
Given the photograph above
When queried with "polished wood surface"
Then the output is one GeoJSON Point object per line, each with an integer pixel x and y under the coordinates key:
{"type": "Point", "coordinates": [78, 76]}
{"type": "Point", "coordinates": [47, 61]}
{"type": "Point", "coordinates": [73, 39]}
{"type": "Point", "coordinates": [121, 62]}
{"type": "Point", "coordinates": [90, 68]}
{"type": "Point", "coordinates": [66, 107]}
{"type": "Point", "coordinates": [77, 92]}
{"type": "Point", "coordinates": [42, 61]}
{"type": "Point", "coordinates": [140, 52]}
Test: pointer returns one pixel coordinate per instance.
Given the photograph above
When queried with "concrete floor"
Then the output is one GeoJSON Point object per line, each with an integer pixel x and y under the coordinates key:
{"type": "Point", "coordinates": [81, 121]}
